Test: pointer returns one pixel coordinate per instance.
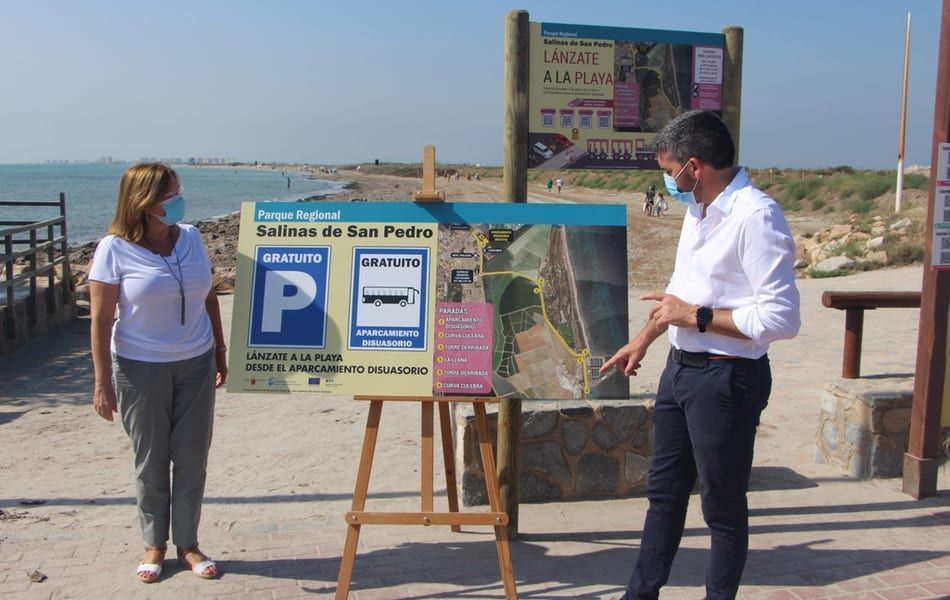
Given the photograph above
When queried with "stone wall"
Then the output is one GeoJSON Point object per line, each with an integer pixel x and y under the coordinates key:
{"type": "Point", "coordinates": [864, 426]}
{"type": "Point", "coordinates": [569, 450]}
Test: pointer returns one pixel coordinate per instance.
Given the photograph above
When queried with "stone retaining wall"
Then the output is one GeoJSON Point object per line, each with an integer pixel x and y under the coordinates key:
{"type": "Point", "coordinates": [569, 450]}
{"type": "Point", "coordinates": [864, 426]}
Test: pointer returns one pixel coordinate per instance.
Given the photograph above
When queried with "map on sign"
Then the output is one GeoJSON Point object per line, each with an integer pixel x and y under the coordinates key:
{"type": "Point", "coordinates": [497, 299]}
{"type": "Point", "coordinates": [548, 340]}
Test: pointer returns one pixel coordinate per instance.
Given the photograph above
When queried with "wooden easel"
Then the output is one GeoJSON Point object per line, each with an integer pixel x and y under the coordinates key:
{"type": "Point", "coordinates": [497, 518]}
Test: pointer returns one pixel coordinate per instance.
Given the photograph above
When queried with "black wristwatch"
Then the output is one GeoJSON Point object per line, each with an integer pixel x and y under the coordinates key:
{"type": "Point", "coordinates": [704, 316]}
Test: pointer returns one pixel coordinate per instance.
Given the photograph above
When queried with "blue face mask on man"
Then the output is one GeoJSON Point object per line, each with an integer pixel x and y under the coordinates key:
{"type": "Point", "coordinates": [174, 210]}
{"type": "Point", "coordinates": [674, 189]}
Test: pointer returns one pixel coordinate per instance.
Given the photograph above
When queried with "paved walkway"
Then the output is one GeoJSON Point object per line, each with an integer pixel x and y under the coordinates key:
{"type": "Point", "coordinates": [282, 470]}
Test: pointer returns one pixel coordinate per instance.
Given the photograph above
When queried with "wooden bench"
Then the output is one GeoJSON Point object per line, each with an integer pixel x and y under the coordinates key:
{"type": "Point", "coordinates": [854, 304]}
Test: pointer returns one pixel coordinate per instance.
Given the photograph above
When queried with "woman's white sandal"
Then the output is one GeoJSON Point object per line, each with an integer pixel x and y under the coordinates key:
{"type": "Point", "coordinates": [150, 572]}
{"type": "Point", "coordinates": [199, 569]}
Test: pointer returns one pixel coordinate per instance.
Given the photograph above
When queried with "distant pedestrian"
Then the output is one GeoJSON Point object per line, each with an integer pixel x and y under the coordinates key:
{"type": "Point", "coordinates": [559, 184]}
{"type": "Point", "coordinates": [661, 205]}
{"type": "Point", "coordinates": [288, 183]}
{"type": "Point", "coordinates": [550, 184]}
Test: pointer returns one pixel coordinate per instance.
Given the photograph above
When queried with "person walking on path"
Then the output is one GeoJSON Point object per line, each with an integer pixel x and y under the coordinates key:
{"type": "Point", "coordinates": [651, 194]}
{"type": "Point", "coordinates": [550, 184]}
{"type": "Point", "coordinates": [560, 182]}
{"type": "Point", "coordinates": [732, 293]}
{"type": "Point", "coordinates": [160, 359]}
{"type": "Point", "coordinates": [660, 204]}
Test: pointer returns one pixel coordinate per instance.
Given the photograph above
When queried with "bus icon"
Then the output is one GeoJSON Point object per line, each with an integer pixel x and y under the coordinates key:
{"type": "Point", "coordinates": [389, 295]}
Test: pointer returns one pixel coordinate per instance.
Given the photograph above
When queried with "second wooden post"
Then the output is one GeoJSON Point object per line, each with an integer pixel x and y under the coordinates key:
{"type": "Point", "coordinates": [516, 190]}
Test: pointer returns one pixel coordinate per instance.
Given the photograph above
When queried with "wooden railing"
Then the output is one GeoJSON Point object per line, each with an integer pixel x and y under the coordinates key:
{"type": "Point", "coordinates": [854, 304]}
{"type": "Point", "coordinates": [53, 248]}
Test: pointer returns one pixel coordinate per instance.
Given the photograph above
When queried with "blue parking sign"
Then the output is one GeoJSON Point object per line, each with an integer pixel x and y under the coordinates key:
{"type": "Point", "coordinates": [289, 296]}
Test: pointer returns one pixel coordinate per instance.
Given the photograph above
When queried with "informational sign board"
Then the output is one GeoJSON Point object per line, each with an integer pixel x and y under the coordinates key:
{"type": "Point", "coordinates": [487, 299]}
{"type": "Point", "coordinates": [941, 233]}
{"type": "Point", "coordinates": [598, 95]}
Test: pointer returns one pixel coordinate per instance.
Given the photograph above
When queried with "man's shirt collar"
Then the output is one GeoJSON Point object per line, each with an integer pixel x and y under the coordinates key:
{"type": "Point", "coordinates": [727, 197]}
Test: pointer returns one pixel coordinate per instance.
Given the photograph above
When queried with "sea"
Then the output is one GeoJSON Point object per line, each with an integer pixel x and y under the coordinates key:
{"type": "Point", "coordinates": [91, 191]}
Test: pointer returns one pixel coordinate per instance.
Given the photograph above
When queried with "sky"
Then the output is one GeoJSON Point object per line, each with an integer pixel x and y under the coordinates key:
{"type": "Point", "coordinates": [346, 82]}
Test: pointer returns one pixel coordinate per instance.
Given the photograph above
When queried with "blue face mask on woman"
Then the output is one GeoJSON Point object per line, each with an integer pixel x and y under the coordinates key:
{"type": "Point", "coordinates": [674, 189]}
{"type": "Point", "coordinates": [174, 210]}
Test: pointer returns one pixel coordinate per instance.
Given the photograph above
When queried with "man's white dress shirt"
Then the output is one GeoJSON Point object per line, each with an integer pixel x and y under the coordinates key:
{"type": "Point", "coordinates": [740, 257]}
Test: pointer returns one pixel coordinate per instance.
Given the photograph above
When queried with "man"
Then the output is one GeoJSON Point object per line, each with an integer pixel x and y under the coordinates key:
{"type": "Point", "coordinates": [731, 294]}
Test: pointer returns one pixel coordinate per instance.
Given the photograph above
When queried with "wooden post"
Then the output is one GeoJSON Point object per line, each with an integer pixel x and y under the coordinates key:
{"type": "Point", "coordinates": [920, 461]}
{"type": "Point", "coordinates": [732, 82]}
{"type": "Point", "coordinates": [69, 287]}
{"type": "Point", "coordinates": [853, 326]}
{"type": "Point", "coordinates": [517, 31]}
{"type": "Point", "coordinates": [428, 193]}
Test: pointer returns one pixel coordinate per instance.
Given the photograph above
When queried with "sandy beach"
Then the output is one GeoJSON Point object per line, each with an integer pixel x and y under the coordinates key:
{"type": "Point", "coordinates": [282, 469]}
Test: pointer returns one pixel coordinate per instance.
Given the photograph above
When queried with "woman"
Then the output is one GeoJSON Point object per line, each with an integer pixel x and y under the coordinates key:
{"type": "Point", "coordinates": [158, 363]}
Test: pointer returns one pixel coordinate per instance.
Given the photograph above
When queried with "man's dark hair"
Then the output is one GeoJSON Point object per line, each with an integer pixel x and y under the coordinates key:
{"type": "Point", "coordinates": [700, 134]}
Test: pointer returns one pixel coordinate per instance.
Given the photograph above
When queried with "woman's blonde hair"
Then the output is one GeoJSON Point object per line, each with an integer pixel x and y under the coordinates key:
{"type": "Point", "coordinates": [141, 186]}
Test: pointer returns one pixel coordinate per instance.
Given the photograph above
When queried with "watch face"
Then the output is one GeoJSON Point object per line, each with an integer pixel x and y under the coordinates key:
{"type": "Point", "coordinates": [704, 315]}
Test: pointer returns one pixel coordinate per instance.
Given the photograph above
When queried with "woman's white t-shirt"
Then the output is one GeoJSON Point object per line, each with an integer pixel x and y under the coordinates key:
{"type": "Point", "coordinates": [148, 325]}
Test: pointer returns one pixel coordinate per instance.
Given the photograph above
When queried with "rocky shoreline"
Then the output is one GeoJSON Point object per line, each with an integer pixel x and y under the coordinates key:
{"type": "Point", "coordinates": [221, 234]}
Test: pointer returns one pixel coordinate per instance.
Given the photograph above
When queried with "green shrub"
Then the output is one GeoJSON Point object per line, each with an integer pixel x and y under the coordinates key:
{"type": "Point", "coordinates": [874, 186]}
{"type": "Point", "coordinates": [854, 267]}
{"type": "Point", "coordinates": [852, 249]}
{"type": "Point", "coordinates": [826, 274]}
{"type": "Point", "coordinates": [789, 204]}
{"type": "Point", "coordinates": [817, 204]}
{"type": "Point", "coordinates": [860, 205]}
{"type": "Point", "coordinates": [796, 190]}
{"type": "Point", "coordinates": [904, 253]}
{"type": "Point", "coordinates": [916, 181]}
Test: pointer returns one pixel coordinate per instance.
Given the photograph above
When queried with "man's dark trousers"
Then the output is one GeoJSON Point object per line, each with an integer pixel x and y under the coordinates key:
{"type": "Point", "coordinates": [704, 423]}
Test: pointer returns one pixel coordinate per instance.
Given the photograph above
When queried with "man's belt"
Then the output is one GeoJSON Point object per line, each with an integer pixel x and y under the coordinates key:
{"type": "Point", "coordinates": [698, 359]}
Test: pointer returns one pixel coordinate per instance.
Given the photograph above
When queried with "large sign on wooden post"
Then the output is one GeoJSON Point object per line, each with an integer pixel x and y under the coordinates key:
{"type": "Point", "coordinates": [598, 95]}
{"type": "Point", "coordinates": [507, 300]}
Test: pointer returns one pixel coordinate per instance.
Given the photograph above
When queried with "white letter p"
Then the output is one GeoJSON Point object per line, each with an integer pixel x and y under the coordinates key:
{"type": "Point", "coordinates": [275, 302]}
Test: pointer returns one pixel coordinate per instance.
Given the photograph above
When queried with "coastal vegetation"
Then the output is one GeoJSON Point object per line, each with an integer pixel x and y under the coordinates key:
{"type": "Point", "coordinates": [837, 211]}
{"type": "Point", "coordinates": [830, 190]}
